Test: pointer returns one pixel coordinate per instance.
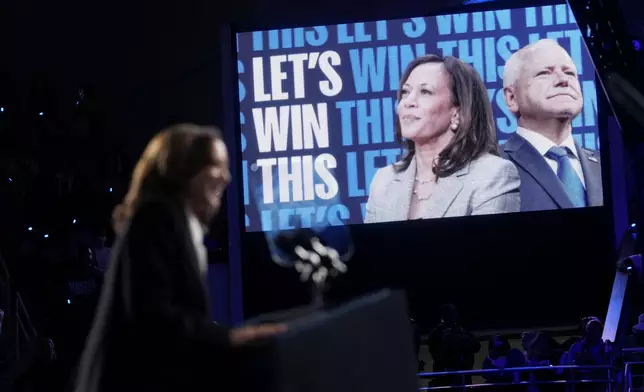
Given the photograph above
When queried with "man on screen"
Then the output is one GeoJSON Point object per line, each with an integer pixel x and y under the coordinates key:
{"type": "Point", "coordinates": [542, 89]}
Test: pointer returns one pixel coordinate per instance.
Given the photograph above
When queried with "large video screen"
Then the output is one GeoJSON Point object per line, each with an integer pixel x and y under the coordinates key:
{"type": "Point", "coordinates": [431, 117]}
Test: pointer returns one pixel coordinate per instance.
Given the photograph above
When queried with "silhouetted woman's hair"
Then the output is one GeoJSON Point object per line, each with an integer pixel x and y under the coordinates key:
{"type": "Point", "coordinates": [476, 133]}
{"type": "Point", "coordinates": [170, 161]}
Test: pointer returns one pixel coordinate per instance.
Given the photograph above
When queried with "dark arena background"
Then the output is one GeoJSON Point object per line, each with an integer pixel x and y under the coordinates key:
{"type": "Point", "coordinates": [83, 87]}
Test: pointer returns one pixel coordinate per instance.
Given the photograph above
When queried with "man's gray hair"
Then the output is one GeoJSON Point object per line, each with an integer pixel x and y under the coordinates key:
{"type": "Point", "coordinates": [514, 65]}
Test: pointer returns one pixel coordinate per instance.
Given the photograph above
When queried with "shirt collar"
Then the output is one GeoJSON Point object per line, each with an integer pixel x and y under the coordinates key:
{"type": "Point", "coordinates": [196, 228]}
{"type": "Point", "coordinates": [543, 144]}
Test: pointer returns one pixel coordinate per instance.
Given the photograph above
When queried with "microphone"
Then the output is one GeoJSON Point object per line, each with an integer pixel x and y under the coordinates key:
{"type": "Point", "coordinates": [309, 255]}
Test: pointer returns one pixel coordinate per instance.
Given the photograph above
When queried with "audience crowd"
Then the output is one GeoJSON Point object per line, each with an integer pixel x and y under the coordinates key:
{"type": "Point", "coordinates": [453, 348]}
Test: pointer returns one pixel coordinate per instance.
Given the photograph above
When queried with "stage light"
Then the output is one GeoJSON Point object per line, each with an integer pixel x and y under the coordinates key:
{"type": "Point", "coordinates": [630, 264]}
{"type": "Point", "coordinates": [41, 113]}
{"type": "Point", "coordinates": [10, 179]}
{"type": "Point", "coordinates": [77, 103]}
{"type": "Point", "coordinates": [74, 222]}
{"type": "Point", "coordinates": [110, 189]}
{"type": "Point", "coordinates": [30, 228]}
{"type": "Point", "coordinates": [1, 109]}
{"type": "Point", "coordinates": [68, 301]}
{"type": "Point", "coordinates": [46, 236]}
{"type": "Point", "coordinates": [637, 45]}
{"type": "Point", "coordinates": [633, 225]}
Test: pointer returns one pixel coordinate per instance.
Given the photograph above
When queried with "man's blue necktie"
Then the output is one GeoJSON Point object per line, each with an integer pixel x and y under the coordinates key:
{"type": "Point", "coordinates": [568, 176]}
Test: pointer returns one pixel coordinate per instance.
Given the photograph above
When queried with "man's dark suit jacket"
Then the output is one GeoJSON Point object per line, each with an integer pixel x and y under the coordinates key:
{"type": "Point", "coordinates": [152, 330]}
{"type": "Point", "coordinates": [540, 188]}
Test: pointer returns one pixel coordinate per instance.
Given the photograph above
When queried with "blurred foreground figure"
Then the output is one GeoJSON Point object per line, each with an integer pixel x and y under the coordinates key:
{"type": "Point", "coordinates": [152, 330]}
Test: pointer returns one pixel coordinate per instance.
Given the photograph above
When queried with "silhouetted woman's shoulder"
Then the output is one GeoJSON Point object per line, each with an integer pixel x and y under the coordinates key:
{"type": "Point", "coordinates": [152, 214]}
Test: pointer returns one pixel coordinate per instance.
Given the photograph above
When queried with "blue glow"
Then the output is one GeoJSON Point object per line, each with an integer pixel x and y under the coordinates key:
{"type": "Point", "coordinates": [46, 236]}
{"type": "Point", "coordinates": [41, 113]}
{"type": "Point", "coordinates": [69, 301]}
{"type": "Point", "coordinates": [468, 2]}
{"type": "Point", "coordinates": [1, 109]}
{"type": "Point", "coordinates": [74, 221]}
{"type": "Point", "coordinates": [30, 228]}
{"type": "Point", "coordinates": [110, 189]}
{"type": "Point", "coordinates": [637, 45]}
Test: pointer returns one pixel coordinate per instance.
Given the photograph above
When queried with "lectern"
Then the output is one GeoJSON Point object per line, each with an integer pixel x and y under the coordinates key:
{"type": "Point", "coordinates": [364, 345]}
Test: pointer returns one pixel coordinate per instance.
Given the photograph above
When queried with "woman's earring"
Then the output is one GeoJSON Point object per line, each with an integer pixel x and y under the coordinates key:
{"type": "Point", "coordinates": [453, 126]}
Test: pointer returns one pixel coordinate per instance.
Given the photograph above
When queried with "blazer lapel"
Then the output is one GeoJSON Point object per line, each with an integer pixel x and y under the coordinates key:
{"type": "Point", "coordinates": [591, 166]}
{"type": "Point", "coordinates": [442, 198]}
{"type": "Point", "coordinates": [402, 191]}
{"type": "Point", "coordinates": [445, 193]}
{"type": "Point", "coordinates": [525, 155]}
{"type": "Point", "coordinates": [191, 253]}
{"type": "Point", "coordinates": [201, 288]}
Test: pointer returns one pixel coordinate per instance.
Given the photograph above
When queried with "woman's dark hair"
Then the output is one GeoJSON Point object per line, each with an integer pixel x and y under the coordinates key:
{"type": "Point", "coordinates": [476, 133]}
{"type": "Point", "coordinates": [170, 161]}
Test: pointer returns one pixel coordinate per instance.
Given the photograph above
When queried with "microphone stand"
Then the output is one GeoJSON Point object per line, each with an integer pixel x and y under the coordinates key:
{"type": "Point", "coordinates": [316, 265]}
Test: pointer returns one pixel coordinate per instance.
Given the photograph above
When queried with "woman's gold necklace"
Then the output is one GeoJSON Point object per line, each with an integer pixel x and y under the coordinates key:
{"type": "Point", "coordinates": [421, 196]}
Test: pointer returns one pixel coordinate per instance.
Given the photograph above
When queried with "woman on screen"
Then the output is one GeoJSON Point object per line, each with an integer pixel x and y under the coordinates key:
{"type": "Point", "coordinates": [452, 165]}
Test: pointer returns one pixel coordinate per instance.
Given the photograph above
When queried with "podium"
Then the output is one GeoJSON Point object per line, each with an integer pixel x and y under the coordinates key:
{"type": "Point", "coordinates": [364, 345]}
